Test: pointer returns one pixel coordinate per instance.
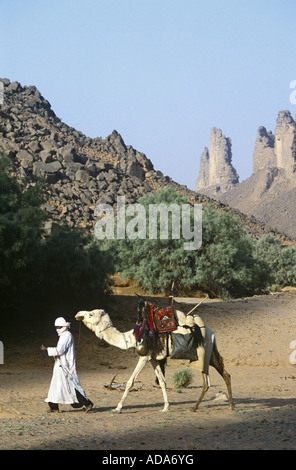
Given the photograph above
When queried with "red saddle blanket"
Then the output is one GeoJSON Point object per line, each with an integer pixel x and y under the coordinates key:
{"type": "Point", "coordinates": [163, 319]}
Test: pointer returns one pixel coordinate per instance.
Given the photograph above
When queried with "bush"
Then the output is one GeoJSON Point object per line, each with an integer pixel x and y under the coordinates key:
{"type": "Point", "coordinates": [182, 378]}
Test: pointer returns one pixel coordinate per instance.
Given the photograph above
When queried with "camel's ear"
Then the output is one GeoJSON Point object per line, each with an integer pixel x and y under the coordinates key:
{"type": "Point", "coordinates": [98, 312]}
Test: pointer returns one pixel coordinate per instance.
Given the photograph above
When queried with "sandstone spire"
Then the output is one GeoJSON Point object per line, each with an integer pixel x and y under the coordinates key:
{"type": "Point", "coordinates": [285, 142]}
{"type": "Point", "coordinates": [264, 153]}
{"type": "Point", "coordinates": [203, 176]}
{"type": "Point", "coordinates": [216, 170]}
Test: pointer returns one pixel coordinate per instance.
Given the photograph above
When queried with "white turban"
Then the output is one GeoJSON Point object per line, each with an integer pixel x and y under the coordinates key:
{"type": "Point", "coordinates": [62, 322]}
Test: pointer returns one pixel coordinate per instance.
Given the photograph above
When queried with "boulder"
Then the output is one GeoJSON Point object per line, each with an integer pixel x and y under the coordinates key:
{"type": "Point", "coordinates": [49, 171]}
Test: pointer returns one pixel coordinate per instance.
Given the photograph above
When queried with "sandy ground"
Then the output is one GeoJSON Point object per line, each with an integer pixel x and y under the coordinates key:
{"type": "Point", "coordinates": [253, 336]}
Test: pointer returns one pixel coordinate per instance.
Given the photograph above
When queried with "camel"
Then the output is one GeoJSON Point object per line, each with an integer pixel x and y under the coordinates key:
{"type": "Point", "coordinates": [100, 323]}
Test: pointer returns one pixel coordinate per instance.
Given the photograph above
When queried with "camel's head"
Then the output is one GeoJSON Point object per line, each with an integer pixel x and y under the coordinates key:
{"type": "Point", "coordinates": [96, 320]}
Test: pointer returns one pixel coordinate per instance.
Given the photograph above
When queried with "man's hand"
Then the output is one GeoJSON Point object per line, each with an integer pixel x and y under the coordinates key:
{"type": "Point", "coordinates": [43, 348]}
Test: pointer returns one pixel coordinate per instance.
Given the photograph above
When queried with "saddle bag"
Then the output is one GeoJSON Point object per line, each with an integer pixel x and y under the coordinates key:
{"type": "Point", "coordinates": [184, 346]}
{"type": "Point", "coordinates": [164, 319]}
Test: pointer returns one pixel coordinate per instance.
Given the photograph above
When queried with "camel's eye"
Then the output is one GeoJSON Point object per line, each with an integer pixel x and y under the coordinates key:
{"type": "Point", "coordinates": [90, 314]}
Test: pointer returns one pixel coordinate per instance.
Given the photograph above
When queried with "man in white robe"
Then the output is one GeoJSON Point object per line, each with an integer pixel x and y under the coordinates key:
{"type": "Point", "coordinates": [65, 387]}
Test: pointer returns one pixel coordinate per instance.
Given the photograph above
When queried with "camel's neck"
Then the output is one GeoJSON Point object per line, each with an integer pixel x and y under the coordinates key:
{"type": "Point", "coordinates": [118, 339]}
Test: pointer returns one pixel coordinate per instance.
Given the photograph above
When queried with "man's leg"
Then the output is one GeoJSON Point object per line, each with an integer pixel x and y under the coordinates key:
{"type": "Point", "coordinates": [53, 407]}
{"type": "Point", "coordinates": [82, 401]}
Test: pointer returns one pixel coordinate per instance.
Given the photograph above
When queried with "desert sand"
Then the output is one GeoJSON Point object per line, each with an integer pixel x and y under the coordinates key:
{"type": "Point", "coordinates": [253, 336]}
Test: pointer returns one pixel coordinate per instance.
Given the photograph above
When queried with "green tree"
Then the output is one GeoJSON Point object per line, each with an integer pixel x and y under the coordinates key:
{"type": "Point", "coordinates": [155, 263]}
{"type": "Point", "coordinates": [40, 272]}
{"type": "Point", "coordinates": [225, 264]}
{"type": "Point", "coordinates": [72, 271]}
{"type": "Point", "coordinates": [21, 219]}
{"type": "Point", "coordinates": [280, 261]}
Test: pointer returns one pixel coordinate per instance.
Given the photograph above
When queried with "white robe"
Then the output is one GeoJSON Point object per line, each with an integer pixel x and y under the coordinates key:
{"type": "Point", "coordinates": [64, 379]}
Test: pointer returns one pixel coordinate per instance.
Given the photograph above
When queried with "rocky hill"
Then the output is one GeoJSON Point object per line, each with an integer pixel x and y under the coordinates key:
{"type": "Point", "coordinates": [80, 171]}
{"type": "Point", "coordinates": [269, 194]}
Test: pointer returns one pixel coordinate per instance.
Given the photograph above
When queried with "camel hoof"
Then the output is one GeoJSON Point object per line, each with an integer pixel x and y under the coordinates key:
{"type": "Point", "coordinates": [193, 409]}
{"type": "Point", "coordinates": [165, 410]}
{"type": "Point", "coordinates": [116, 410]}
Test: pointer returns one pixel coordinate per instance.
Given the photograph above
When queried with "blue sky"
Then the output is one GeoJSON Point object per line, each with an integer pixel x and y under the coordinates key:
{"type": "Point", "coordinates": [160, 72]}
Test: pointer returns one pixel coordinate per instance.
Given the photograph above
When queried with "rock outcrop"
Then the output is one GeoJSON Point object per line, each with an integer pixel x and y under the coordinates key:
{"type": "Point", "coordinates": [269, 194]}
{"type": "Point", "coordinates": [203, 180]}
{"type": "Point", "coordinates": [285, 142]}
{"type": "Point", "coordinates": [216, 171]}
{"type": "Point", "coordinates": [264, 153]}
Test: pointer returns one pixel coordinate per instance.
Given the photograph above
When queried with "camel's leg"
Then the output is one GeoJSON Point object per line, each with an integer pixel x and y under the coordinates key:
{"type": "Point", "coordinates": [227, 379]}
{"type": "Point", "coordinates": [139, 367]}
{"type": "Point", "coordinates": [161, 380]}
{"type": "Point", "coordinates": [205, 388]}
{"type": "Point", "coordinates": [162, 363]}
{"type": "Point", "coordinates": [218, 363]}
